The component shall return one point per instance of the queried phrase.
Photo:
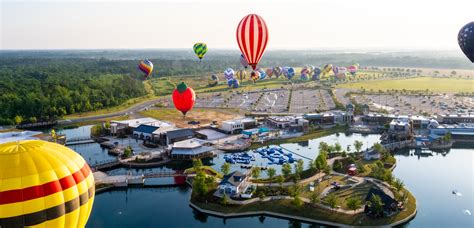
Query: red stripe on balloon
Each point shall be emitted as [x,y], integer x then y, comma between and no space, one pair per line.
[39,191]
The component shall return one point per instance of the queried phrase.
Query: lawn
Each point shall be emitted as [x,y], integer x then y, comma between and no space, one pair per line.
[360,191]
[204,116]
[454,85]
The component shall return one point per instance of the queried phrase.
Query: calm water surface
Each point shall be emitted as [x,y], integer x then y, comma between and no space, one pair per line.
[431,179]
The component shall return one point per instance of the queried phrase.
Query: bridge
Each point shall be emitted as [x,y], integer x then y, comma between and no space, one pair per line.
[79,140]
[106,165]
[179,178]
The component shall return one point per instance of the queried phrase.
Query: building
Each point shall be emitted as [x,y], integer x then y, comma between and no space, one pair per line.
[400,129]
[12,136]
[171,136]
[371,155]
[238,125]
[233,184]
[457,119]
[127,126]
[190,149]
[329,118]
[343,117]
[291,123]
[419,122]
[459,132]
[144,132]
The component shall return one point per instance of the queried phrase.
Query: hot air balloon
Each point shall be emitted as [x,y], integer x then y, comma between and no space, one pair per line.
[326,69]
[466,40]
[213,81]
[316,73]
[304,73]
[229,73]
[184,98]
[277,71]
[339,72]
[243,61]
[310,69]
[44,184]
[269,72]
[241,74]
[252,38]
[233,83]
[255,75]
[289,72]
[263,75]
[200,50]
[146,66]
[352,70]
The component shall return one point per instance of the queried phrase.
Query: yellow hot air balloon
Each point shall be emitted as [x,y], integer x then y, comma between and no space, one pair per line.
[44,184]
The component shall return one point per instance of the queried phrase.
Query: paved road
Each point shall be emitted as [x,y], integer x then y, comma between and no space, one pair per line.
[131,110]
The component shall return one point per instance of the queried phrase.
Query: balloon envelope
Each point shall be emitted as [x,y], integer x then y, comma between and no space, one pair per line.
[316,73]
[229,73]
[269,72]
[252,38]
[255,75]
[214,80]
[263,74]
[289,72]
[277,71]
[241,74]
[146,66]
[466,40]
[44,184]
[243,61]
[183,98]
[200,49]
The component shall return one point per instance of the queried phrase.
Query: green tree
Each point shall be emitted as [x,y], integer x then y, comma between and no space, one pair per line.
[18,120]
[199,184]
[376,205]
[299,167]
[280,179]
[286,170]
[358,145]
[398,184]
[255,172]
[314,197]
[353,203]
[331,200]
[323,146]
[225,168]
[127,152]
[225,200]
[337,147]
[271,172]
[197,164]
[297,201]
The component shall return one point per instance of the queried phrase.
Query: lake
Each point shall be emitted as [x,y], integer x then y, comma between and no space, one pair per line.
[430,178]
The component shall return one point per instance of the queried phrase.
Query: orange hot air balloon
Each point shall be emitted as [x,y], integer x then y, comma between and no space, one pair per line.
[252,38]
[184,98]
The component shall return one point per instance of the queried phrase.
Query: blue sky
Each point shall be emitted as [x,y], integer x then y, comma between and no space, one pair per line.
[316,24]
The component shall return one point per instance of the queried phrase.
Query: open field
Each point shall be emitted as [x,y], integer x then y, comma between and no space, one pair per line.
[453,85]
[204,116]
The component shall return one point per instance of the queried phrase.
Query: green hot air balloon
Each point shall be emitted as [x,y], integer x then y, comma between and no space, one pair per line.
[200,50]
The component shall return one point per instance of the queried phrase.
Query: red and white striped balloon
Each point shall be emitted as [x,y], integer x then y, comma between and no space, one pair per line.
[252,38]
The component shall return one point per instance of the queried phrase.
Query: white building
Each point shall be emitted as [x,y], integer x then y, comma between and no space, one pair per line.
[129,125]
[371,155]
[232,126]
[233,184]
[190,149]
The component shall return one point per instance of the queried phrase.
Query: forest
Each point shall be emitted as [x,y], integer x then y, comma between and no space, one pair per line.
[46,85]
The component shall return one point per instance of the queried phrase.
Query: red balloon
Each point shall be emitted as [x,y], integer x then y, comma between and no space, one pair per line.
[184,98]
[252,38]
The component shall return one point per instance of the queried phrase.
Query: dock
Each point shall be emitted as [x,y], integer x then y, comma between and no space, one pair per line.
[295,153]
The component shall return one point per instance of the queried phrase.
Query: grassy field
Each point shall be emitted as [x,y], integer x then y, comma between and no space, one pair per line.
[453,85]
[205,116]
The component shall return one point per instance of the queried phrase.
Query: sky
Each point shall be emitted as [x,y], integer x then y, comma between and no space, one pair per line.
[292,24]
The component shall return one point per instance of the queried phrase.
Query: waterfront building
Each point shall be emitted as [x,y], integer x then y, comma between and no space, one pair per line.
[168,137]
[457,118]
[127,126]
[191,149]
[233,184]
[291,123]
[371,155]
[459,132]
[400,129]
[144,132]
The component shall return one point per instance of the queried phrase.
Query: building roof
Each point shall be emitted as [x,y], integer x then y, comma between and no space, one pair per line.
[235,178]
[147,129]
[136,122]
[386,199]
[191,151]
[180,133]
[18,135]
[187,144]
